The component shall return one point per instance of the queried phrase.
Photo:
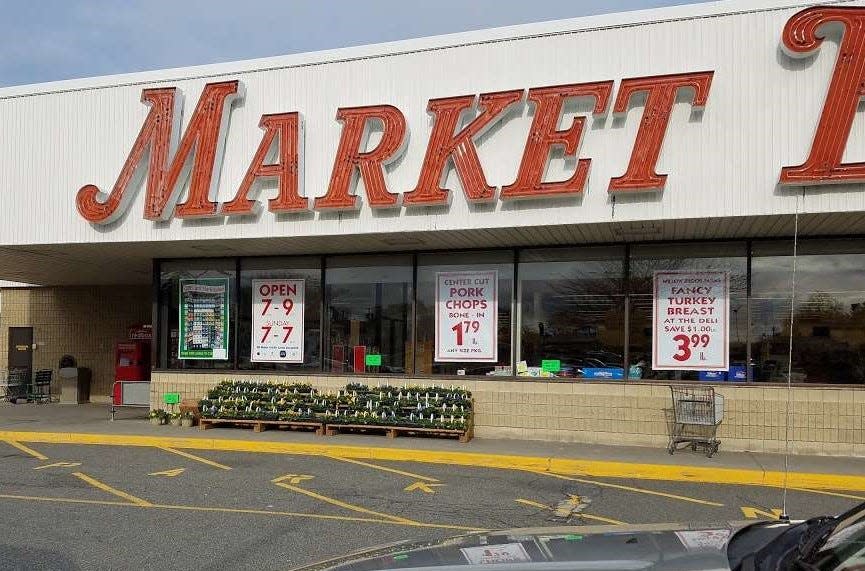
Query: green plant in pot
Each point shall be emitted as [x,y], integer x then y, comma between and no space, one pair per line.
[158,417]
[187,420]
[174,418]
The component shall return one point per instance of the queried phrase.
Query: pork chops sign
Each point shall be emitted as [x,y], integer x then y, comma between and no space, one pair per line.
[173,160]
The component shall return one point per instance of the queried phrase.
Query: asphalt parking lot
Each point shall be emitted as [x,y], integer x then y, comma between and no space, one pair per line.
[65,506]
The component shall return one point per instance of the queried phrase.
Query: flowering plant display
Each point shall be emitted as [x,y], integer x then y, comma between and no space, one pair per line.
[412,406]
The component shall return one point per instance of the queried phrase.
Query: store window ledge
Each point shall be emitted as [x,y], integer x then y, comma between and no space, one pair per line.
[474,378]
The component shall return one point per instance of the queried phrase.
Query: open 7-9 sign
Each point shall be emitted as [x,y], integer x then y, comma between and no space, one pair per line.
[466,316]
[277,321]
[691,321]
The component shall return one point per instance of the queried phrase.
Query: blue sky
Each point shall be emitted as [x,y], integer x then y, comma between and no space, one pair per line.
[48,40]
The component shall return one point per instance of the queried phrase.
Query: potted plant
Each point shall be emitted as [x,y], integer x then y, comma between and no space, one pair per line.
[174,418]
[187,420]
[157,417]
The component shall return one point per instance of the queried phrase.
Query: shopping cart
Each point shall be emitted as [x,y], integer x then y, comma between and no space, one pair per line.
[697,413]
[40,389]
[13,385]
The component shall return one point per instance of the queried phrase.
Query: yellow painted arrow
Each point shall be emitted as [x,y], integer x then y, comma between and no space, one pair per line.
[293,478]
[425,487]
[755,513]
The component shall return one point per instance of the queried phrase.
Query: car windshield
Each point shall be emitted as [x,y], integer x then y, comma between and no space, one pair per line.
[845,547]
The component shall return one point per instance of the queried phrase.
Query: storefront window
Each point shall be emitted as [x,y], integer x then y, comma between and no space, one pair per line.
[471,294]
[829,318]
[280,319]
[369,310]
[473,326]
[714,256]
[197,314]
[572,311]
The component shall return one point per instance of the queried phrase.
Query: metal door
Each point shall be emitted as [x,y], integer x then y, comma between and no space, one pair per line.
[21,353]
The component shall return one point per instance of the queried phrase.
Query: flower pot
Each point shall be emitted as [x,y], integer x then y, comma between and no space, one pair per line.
[187,421]
[175,422]
[156,421]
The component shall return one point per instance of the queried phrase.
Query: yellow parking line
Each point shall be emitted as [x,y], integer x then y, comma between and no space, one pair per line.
[237,511]
[632,489]
[825,493]
[600,519]
[577,467]
[196,458]
[319,516]
[385,469]
[64,500]
[342,504]
[26,450]
[106,488]
[531,503]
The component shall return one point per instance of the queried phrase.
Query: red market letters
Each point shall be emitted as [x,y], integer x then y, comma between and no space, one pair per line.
[370,164]
[543,137]
[801,37]
[660,95]
[173,161]
[207,129]
[157,136]
[282,130]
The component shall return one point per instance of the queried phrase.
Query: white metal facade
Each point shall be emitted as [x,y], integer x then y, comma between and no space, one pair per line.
[723,162]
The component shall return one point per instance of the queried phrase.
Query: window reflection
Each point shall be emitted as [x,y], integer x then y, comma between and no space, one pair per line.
[571,304]
[369,313]
[572,310]
[431,264]
[305,268]
[169,310]
[647,259]
[829,318]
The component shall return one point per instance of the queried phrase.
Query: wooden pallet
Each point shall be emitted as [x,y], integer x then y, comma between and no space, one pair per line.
[262,425]
[394,431]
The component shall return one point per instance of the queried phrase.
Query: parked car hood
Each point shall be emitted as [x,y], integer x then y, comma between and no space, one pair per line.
[638,547]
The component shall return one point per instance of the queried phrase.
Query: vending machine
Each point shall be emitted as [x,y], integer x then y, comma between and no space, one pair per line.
[132,361]
[132,371]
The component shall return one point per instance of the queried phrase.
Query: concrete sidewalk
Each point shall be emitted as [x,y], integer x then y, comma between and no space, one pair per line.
[91,424]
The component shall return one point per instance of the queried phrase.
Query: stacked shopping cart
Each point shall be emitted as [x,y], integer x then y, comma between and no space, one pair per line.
[697,412]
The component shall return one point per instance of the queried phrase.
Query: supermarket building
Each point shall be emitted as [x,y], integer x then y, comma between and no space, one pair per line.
[490,209]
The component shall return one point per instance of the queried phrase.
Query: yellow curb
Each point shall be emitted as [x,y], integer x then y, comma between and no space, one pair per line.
[564,466]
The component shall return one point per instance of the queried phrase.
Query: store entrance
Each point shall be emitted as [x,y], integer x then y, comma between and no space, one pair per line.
[21,353]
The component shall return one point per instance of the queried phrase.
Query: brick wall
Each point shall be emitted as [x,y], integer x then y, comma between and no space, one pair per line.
[85,322]
[824,421]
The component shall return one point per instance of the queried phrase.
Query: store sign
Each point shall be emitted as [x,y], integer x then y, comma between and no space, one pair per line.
[802,36]
[203,319]
[466,316]
[690,321]
[141,333]
[277,321]
[192,158]
[203,142]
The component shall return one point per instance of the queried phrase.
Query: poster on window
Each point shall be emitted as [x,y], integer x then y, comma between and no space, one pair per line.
[466,316]
[203,319]
[691,321]
[277,321]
